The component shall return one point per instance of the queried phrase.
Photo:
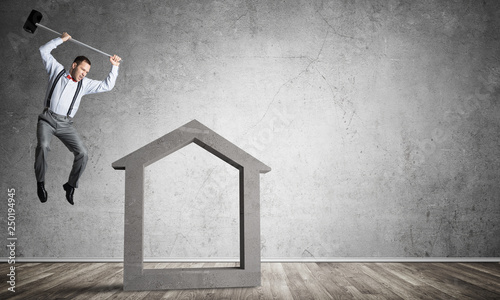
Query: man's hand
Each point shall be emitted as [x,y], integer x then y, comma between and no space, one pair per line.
[115,60]
[65,36]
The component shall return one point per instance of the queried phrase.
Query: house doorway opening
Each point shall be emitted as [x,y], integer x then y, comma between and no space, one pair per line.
[191,210]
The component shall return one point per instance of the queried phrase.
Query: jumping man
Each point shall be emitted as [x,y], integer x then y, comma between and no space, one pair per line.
[64,93]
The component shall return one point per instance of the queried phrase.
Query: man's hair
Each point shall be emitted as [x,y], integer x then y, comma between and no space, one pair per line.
[81,58]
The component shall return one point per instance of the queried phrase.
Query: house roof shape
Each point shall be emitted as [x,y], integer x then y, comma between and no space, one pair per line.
[248,274]
[191,132]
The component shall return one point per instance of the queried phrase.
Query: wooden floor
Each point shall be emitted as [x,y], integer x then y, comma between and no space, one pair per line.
[279,281]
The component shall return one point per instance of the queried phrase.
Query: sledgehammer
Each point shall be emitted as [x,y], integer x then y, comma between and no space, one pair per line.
[33,22]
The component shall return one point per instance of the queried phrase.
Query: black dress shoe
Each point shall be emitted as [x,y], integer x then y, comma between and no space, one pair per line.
[69,193]
[42,193]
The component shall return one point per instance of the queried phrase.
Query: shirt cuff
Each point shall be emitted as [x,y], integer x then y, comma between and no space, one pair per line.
[58,41]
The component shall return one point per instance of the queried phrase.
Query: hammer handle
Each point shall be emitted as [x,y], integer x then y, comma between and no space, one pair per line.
[74,41]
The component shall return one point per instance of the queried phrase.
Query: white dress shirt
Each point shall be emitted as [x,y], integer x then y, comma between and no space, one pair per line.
[65,88]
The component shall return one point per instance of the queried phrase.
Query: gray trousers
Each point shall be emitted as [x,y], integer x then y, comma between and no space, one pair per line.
[51,124]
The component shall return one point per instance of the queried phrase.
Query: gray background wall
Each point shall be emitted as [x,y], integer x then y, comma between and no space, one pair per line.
[380,120]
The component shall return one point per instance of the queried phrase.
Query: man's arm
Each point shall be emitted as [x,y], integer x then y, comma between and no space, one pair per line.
[51,64]
[95,86]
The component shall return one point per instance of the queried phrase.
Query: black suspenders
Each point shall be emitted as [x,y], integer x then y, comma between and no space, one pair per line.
[74,97]
[53,87]
[78,88]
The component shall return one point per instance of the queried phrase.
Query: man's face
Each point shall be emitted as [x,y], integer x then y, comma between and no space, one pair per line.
[78,72]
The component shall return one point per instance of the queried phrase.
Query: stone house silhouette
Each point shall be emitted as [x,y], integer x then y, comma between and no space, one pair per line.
[135,277]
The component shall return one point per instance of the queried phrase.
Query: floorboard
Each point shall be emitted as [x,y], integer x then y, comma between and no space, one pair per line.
[104,281]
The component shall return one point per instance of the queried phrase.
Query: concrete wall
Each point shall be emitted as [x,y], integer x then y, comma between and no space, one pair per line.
[380,120]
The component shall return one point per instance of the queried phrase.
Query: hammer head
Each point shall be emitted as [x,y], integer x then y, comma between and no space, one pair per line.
[34,18]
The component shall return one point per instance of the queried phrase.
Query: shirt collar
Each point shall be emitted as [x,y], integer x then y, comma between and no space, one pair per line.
[68,74]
